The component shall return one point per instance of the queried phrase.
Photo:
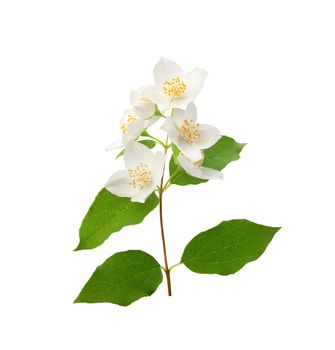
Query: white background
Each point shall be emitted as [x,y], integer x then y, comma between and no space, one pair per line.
[66,70]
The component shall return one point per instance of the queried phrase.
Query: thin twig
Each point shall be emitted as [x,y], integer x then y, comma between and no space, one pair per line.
[166,269]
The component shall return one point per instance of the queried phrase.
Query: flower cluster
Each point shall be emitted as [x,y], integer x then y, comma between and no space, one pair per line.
[173,93]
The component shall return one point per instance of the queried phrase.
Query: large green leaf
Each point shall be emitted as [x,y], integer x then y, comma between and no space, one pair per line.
[122,279]
[216,157]
[110,213]
[227,247]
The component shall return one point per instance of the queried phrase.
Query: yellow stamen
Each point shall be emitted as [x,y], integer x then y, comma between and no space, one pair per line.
[198,163]
[140,176]
[190,130]
[124,126]
[130,119]
[174,87]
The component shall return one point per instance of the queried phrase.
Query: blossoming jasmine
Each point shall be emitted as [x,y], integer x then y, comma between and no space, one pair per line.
[188,135]
[132,193]
[143,172]
[136,119]
[172,87]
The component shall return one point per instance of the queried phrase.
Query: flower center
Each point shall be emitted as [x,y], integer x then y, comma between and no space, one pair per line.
[174,87]
[190,130]
[124,125]
[140,176]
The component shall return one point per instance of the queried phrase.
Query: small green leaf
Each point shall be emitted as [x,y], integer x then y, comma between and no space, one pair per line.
[216,157]
[122,279]
[110,213]
[148,143]
[227,247]
[175,153]
[120,154]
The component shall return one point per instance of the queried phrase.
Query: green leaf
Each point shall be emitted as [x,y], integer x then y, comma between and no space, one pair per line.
[222,153]
[122,279]
[175,152]
[148,143]
[110,213]
[227,247]
[216,157]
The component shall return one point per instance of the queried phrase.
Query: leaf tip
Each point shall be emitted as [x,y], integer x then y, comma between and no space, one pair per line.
[77,300]
[79,247]
[241,146]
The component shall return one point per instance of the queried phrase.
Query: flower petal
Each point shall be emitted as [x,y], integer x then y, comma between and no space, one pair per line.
[165,70]
[125,116]
[179,115]
[196,171]
[180,102]
[151,121]
[210,174]
[144,109]
[114,145]
[194,81]
[119,184]
[156,95]
[158,167]
[191,150]
[191,112]
[134,130]
[209,135]
[142,105]
[136,153]
[135,96]
[171,129]
[188,166]
[143,193]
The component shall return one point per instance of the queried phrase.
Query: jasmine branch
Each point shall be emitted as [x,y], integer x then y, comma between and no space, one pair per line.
[166,264]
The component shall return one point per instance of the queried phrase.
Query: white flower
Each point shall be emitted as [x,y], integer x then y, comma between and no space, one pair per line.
[135,119]
[197,170]
[131,127]
[142,175]
[173,88]
[143,107]
[189,136]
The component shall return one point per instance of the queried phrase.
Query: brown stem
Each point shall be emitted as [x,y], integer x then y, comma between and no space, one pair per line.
[166,269]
